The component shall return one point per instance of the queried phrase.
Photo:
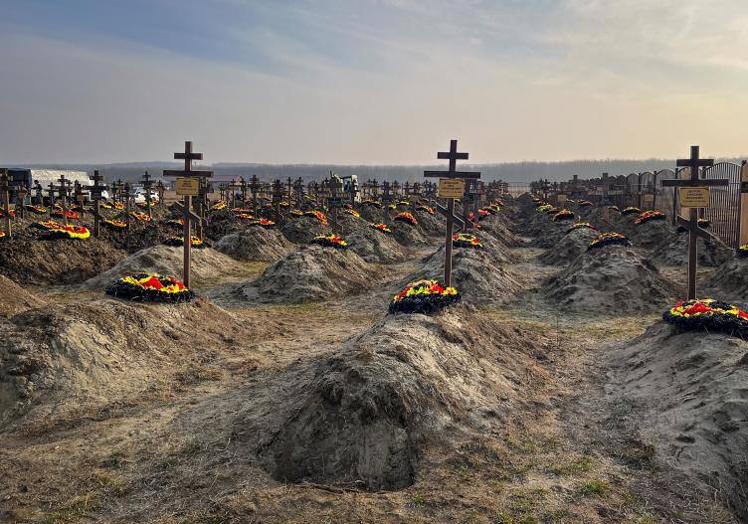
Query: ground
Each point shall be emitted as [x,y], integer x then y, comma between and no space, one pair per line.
[176,452]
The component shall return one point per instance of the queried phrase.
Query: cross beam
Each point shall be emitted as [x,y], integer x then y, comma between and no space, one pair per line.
[453,156]
[694,231]
[188,156]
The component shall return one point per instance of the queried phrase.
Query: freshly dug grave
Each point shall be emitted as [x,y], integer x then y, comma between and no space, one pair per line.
[311,274]
[302,230]
[372,214]
[140,236]
[675,252]
[255,244]
[14,299]
[548,234]
[610,280]
[363,415]
[480,275]
[222,223]
[28,260]
[730,280]
[207,265]
[65,361]
[432,225]
[498,227]
[348,224]
[569,247]
[652,234]
[376,247]
[408,235]
[685,394]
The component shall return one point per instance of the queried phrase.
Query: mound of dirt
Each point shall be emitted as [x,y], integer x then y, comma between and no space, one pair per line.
[730,280]
[302,230]
[362,415]
[675,252]
[255,244]
[612,279]
[29,260]
[569,247]
[652,234]
[372,214]
[498,227]
[547,235]
[685,393]
[376,247]
[206,265]
[66,360]
[310,274]
[432,225]
[221,223]
[408,235]
[14,299]
[481,275]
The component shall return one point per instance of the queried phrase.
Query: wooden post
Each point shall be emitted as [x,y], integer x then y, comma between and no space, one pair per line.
[743,216]
[452,155]
[147,184]
[5,189]
[694,231]
[188,173]
[96,190]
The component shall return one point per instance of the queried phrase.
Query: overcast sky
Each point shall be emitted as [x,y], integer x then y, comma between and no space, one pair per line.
[371,81]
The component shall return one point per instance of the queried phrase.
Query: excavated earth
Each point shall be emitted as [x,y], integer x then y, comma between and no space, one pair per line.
[255,244]
[610,280]
[311,274]
[569,247]
[362,415]
[686,393]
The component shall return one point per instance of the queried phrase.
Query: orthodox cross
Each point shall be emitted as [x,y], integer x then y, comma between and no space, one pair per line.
[254,187]
[187,175]
[277,196]
[386,199]
[96,189]
[161,188]
[453,156]
[694,231]
[5,189]
[63,192]
[147,184]
[334,199]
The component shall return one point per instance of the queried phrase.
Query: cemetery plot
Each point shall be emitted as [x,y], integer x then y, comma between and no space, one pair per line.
[364,415]
[685,392]
[255,244]
[611,280]
[312,274]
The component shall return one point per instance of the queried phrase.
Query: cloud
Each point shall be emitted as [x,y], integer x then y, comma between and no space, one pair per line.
[383,81]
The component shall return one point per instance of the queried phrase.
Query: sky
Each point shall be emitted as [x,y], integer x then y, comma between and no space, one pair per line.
[371,81]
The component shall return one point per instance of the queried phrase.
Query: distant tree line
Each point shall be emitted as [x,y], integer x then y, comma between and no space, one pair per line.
[518,173]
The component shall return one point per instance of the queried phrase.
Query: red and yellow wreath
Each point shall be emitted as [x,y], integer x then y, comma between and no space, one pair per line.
[406,216]
[423,296]
[335,241]
[381,227]
[150,288]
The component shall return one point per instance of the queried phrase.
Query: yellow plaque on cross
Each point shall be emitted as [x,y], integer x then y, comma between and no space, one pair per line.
[188,186]
[693,197]
[451,188]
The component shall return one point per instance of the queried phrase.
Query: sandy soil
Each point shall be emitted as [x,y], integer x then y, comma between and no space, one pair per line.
[333,411]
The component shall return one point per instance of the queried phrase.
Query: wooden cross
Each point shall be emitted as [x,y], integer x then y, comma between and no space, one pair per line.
[188,156]
[277,196]
[21,192]
[5,189]
[386,199]
[334,199]
[453,156]
[63,192]
[694,162]
[254,187]
[96,189]
[161,188]
[147,184]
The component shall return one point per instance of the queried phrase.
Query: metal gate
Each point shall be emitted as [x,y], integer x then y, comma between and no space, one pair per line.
[724,213]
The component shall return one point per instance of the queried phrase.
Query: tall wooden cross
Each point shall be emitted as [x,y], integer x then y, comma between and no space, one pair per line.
[254,187]
[276,198]
[96,189]
[63,192]
[386,199]
[147,184]
[453,156]
[5,190]
[188,175]
[694,231]
[161,188]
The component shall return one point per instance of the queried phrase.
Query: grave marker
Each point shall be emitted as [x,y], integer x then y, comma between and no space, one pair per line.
[453,156]
[5,190]
[147,184]
[187,174]
[96,189]
[699,187]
